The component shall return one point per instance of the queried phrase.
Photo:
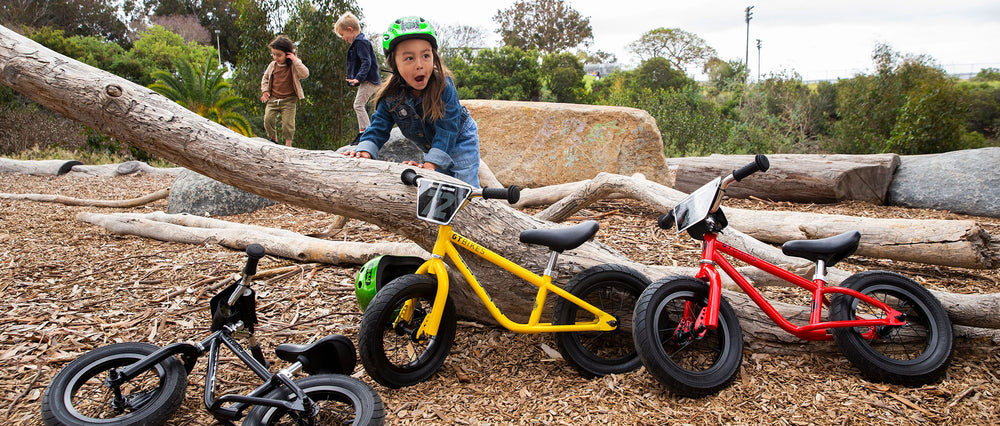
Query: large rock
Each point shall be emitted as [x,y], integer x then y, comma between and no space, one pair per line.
[965,181]
[197,194]
[397,149]
[534,144]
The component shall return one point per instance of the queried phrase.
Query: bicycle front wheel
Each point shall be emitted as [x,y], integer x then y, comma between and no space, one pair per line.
[613,289]
[78,394]
[688,361]
[913,354]
[338,399]
[387,340]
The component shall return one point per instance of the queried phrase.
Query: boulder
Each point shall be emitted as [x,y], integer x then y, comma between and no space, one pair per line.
[397,149]
[197,194]
[964,181]
[534,144]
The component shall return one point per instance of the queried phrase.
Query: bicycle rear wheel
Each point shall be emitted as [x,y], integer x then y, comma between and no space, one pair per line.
[613,289]
[79,396]
[387,344]
[913,354]
[340,400]
[689,362]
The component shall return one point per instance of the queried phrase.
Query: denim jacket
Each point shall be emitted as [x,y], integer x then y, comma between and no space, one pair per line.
[451,143]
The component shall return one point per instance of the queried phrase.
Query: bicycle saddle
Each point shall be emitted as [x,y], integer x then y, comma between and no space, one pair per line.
[561,238]
[830,250]
[330,355]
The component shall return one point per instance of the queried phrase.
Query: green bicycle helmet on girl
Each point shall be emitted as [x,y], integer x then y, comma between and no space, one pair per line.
[378,272]
[406,28]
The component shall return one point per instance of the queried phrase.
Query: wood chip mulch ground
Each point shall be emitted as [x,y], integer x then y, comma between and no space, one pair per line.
[67,287]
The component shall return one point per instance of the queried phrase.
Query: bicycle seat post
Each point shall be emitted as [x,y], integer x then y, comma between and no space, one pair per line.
[550,268]
[820,272]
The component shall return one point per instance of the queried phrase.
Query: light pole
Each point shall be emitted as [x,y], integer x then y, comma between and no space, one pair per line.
[758,60]
[749,15]
[218,47]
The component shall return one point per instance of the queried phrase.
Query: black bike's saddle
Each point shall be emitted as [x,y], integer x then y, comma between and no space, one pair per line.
[330,355]
[561,238]
[830,250]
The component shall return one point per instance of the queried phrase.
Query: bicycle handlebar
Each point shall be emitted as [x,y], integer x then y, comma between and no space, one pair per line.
[759,164]
[410,177]
[254,253]
[512,194]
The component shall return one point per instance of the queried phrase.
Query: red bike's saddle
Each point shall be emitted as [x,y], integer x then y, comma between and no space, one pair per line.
[830,250]
[561,238]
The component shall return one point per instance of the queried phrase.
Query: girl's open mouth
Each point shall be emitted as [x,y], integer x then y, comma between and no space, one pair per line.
[420,78]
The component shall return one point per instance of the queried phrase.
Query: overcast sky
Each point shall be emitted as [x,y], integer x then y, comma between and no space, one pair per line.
[817,39]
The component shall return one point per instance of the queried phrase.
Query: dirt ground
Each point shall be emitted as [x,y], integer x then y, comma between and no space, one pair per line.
[68,287]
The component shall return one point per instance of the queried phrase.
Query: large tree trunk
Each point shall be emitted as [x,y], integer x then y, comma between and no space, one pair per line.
[796,177]
[323,180]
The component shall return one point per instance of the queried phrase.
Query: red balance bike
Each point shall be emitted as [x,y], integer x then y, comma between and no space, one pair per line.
[688,337]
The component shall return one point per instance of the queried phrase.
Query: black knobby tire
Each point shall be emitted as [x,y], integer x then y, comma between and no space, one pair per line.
[78,396]
[613,289]
[388,349]
[341,400]
[912,355]
[685,363]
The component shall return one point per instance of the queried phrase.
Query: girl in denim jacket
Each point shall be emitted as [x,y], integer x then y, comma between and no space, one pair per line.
[420,97]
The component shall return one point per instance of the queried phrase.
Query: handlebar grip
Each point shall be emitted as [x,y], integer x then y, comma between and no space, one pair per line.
[666,221]
[511,194]
[759,164]
[410,177]
[254,253]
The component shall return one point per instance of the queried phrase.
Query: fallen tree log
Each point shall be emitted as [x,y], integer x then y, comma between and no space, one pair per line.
[190,229]
[362,189]
[959,243]
[37,167]
[122,169]
[70,201]
[796,177]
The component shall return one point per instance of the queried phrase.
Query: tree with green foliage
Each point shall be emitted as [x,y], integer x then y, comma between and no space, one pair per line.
[203,90]
[93,51]
[213,15]
[908,105]
[987,74]
[983,103]
[507,73]
[547,26]
[157,48]
[563,74]
[327,115]
[99,18]
[681,48]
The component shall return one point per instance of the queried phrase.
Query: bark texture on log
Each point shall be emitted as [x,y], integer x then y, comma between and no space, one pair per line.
[796,177]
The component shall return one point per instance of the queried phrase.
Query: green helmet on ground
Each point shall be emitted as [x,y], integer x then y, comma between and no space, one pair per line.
[378,272]
[406,28]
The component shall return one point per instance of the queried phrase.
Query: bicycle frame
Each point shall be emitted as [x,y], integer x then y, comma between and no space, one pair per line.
[445,246]
[712,256]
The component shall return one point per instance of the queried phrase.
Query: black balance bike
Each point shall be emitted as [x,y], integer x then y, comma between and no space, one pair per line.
[139,383]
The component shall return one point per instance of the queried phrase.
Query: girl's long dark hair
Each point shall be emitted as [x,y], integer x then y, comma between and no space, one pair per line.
[433,104]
